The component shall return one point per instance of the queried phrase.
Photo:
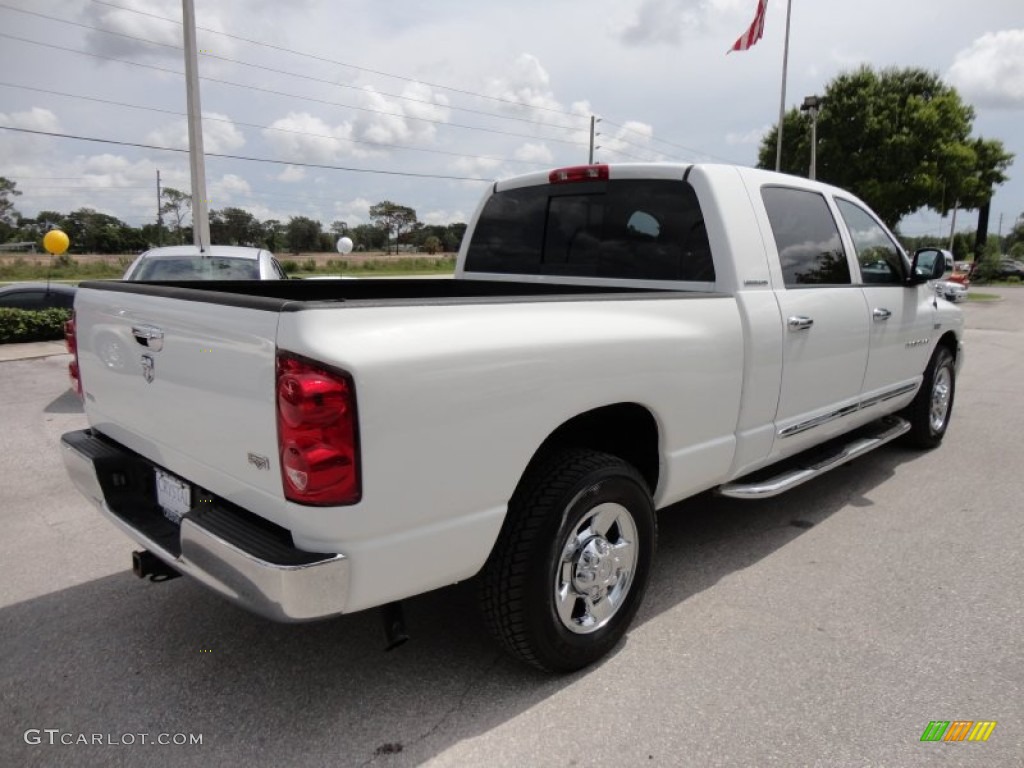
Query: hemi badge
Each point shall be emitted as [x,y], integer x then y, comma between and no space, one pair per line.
[260,462]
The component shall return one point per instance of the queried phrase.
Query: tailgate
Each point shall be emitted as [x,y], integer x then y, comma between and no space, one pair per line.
[187,384]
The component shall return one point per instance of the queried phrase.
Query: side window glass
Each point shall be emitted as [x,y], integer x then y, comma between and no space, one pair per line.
[880,259]
[654,230]
[28,300]
[806,236]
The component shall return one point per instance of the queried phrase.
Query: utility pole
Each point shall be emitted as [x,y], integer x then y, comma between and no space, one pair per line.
[197,163]
[159,213]
[952,224]
[593,133]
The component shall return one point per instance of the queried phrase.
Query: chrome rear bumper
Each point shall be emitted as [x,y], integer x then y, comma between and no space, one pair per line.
[312,586]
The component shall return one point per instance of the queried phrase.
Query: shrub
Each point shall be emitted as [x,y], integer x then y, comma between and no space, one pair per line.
[309,265]
[290,265]
[17,325]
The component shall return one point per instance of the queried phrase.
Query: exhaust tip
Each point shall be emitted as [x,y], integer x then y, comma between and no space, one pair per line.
[395,633]
[147,565]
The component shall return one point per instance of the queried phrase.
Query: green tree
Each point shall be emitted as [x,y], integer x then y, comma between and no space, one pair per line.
[177,204]
[302,234]
[93,232]
[272,235]
[432,244]
[392,218]
[368,237]
[235,226]
[898,138]
[8,215]
[453,236]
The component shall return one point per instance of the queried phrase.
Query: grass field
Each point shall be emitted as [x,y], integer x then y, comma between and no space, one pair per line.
[92,266]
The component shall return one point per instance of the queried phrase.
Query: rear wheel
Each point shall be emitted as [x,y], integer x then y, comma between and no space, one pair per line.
[930,411]
[571,565]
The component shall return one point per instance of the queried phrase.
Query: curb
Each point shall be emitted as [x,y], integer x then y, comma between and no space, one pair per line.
[31,350]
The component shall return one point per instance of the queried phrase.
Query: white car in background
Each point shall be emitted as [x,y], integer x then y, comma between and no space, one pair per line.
[950,290]
[219,262]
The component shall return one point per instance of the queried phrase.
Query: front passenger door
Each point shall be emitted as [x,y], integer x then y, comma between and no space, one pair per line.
[901,316]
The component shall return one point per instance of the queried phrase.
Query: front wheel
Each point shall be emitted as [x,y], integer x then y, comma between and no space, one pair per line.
[930,411]
[571,564]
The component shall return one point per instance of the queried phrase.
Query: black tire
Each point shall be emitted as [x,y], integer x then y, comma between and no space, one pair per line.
[552,544]
[929,413]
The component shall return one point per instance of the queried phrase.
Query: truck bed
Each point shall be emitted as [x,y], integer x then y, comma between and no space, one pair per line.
[293,295]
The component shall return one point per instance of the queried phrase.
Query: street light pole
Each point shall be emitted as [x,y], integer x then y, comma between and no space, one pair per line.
[812,105]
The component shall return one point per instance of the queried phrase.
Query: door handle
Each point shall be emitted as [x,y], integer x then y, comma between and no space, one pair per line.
[880,314]
[800,323]
[148,336]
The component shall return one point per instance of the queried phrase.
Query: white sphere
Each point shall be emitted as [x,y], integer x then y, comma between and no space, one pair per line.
[344,245]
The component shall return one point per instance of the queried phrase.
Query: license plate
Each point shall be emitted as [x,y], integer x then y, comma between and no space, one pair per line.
[173,495]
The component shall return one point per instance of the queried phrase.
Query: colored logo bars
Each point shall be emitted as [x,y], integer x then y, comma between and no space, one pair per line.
[958,730]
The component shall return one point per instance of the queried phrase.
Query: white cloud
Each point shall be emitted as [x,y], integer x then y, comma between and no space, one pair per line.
[291,173]
[304,137]
[443,217]
[990,73]
[753,136]
[669,21]
[226,189]
[219,134]
[148,30]
[413,119]
[531,152]
[482,167]
[528,86]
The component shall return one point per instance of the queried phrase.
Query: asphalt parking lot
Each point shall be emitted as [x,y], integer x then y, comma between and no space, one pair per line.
[826,627]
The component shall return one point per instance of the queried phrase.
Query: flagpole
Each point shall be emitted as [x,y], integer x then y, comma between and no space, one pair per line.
[782,101]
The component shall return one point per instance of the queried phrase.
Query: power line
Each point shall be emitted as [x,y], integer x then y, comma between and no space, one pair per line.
[289,95]
[244,157]
[269,127]
[356,67]
[291,74]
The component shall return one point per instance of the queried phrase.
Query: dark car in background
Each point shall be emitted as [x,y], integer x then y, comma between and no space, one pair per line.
[37,296]
[1011,268]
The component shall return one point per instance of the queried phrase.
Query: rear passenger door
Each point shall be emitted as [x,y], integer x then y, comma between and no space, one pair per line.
[902,316]
[825,339]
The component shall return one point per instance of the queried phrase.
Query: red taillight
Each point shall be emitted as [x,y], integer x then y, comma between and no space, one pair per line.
[71,341]
[317,433]
[579,173]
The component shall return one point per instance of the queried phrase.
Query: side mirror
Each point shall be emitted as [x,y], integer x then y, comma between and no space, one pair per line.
[928,264]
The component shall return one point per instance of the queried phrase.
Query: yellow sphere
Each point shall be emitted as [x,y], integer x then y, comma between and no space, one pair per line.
[56,242]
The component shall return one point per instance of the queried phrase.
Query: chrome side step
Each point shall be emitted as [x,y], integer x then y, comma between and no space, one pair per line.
[890,428]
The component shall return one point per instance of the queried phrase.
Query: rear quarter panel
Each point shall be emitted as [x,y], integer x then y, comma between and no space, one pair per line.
[453,401]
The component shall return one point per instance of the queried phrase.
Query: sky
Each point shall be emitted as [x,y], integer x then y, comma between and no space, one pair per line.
[340,104]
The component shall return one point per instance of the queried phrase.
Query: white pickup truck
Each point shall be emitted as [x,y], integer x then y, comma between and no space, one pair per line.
[616,339]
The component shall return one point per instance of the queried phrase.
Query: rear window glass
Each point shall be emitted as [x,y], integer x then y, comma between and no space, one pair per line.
[627,229]
[197,268]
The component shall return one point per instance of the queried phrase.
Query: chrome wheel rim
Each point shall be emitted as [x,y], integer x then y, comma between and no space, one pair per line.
[942,389]
[596,568]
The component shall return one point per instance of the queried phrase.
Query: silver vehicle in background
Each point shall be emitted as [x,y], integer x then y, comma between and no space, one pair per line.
[219,262]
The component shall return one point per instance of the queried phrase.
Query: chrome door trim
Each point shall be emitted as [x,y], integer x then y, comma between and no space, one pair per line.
[846,410]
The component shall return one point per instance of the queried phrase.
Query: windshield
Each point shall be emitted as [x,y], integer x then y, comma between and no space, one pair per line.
[197,268]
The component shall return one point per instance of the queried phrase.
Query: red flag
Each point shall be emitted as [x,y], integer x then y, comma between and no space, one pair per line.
[752,35]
